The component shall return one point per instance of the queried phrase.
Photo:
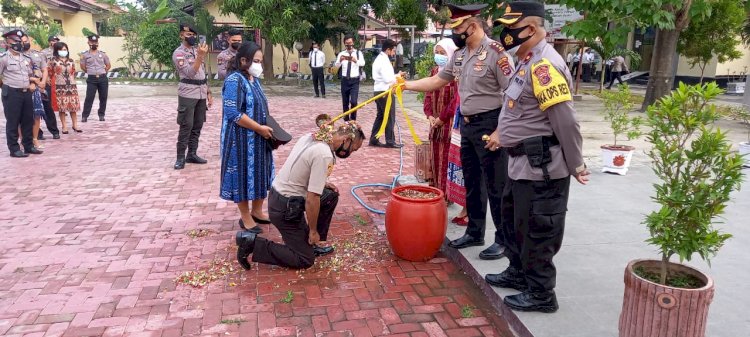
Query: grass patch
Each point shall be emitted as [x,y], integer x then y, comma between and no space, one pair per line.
[237,321]
[360,219]
[288,298]
[467,311]
[634,98]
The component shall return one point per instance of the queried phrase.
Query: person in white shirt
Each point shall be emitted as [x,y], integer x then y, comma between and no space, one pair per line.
[399,56]
[384,77]
[588,58]
[350,61]
[317,62]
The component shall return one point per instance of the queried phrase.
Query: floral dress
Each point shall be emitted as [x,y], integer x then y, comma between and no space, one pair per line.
[62,72]
[246,160]
[441,104]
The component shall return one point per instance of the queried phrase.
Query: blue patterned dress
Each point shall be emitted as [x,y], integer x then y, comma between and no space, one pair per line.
[246,159]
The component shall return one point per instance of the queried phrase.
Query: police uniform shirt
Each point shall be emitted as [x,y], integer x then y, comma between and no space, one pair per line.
[96,63]
[306,169]
[184,58]
[482,76]
[48,53]
[222,61]
[16,70]
[538,102]
[38,62]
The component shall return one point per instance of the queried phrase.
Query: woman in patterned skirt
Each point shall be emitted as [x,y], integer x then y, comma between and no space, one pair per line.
[246,159]
[456,188]
[62,73]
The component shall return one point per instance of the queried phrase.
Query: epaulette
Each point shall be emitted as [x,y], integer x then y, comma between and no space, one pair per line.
[496,46]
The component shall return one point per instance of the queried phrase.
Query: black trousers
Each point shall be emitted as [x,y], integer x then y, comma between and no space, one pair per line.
[296,252]
[93,85]
[318,78]
[534,222]
[616,75]
[574,70]
[49,115]
[586,72]
[485,173]
[349,95]
[19,111]
[390,136]
[191,114]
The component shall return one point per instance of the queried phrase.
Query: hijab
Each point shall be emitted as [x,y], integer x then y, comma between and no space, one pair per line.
[449,46]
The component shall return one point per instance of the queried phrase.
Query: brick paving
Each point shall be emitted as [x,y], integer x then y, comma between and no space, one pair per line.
[98,229]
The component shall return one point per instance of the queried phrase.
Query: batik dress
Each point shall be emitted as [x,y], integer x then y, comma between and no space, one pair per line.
[441,104]
[456,188]
[246,160]
[62,73]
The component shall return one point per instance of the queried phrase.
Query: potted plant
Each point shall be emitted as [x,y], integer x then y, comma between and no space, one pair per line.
[742,115]
[416,222]
[616,158]
[697,172]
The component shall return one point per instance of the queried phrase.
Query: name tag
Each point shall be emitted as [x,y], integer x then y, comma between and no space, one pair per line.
[515,88]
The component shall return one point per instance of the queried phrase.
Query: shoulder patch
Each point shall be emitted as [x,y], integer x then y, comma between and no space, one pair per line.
[497,47]
[504,65]
[550,87]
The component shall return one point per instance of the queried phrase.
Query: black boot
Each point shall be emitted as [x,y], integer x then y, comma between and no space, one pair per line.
[245,241]
[538,301]
[510,278]
[180,163]
[193,158]
[493,252]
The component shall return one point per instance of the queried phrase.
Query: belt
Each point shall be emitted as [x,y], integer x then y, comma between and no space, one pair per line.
[469,119]
[7,87]
[97,76]
[520,150]
[193,82]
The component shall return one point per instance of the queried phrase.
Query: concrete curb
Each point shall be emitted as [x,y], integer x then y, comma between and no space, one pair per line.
[519,329]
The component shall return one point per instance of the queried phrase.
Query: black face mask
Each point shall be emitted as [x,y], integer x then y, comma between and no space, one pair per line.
[18,47]
[509,37]
[236,45]
[94,46]
[344,153]
[26,46]
[460,38]
[191,40]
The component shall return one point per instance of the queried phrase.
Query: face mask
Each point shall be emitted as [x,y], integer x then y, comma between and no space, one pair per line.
[236,45]
[344,153]
[26,46]
[94,46]
[18,47]
[63,53]
[315,49]
[191,40]
[441,60]
[509,37]
[460,38]
[256,69]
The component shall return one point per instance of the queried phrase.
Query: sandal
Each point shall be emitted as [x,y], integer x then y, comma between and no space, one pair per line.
[462,222]
[77,130]
[65,132]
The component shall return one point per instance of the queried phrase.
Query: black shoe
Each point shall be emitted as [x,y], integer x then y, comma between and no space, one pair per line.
[84,119]
[261,221]
[40,137]
[394,146]
[466,241]
[33,150]
[56,136]
[542,302]
[324,96]
[193,158]
[510,278]
[18,154]
[101,118]
[245,241]
[376,143]
[317,96]
[493,252]
[320,251]
[179,164]
[65,132]
[256,229]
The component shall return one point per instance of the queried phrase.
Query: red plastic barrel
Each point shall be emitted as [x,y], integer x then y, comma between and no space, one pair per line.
[416,227]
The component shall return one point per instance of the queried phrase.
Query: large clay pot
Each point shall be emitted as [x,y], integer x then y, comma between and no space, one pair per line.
[416,227]
[616,159]
[653,310]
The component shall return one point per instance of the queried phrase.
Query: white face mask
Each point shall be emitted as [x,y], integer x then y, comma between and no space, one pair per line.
[315,49]
[63,53]
[256,69]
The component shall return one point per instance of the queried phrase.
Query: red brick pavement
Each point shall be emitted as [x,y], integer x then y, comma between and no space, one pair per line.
[97,230]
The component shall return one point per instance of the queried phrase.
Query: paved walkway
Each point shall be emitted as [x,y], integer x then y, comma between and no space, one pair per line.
[101,236]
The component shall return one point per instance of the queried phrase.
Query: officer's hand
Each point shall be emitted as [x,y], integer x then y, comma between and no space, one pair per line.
[265,131]
[209,100]
[494,143]
[314,237]
[32,87]
[202,50]
[583,177]
[333,187]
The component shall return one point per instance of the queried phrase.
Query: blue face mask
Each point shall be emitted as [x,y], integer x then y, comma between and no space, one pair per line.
[441,60]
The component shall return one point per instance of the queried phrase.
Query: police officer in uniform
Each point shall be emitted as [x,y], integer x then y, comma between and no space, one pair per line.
[539,129]
[301,195]
[39,64]
[222,61]
[18,82]
[95,63]
[49,115]
[193,95]
[482,68]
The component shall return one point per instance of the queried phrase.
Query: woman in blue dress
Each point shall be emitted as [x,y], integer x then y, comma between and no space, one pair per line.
[246,160]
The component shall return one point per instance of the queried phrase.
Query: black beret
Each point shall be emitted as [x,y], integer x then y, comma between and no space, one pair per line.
[234,32]
[184,27]
[93,37]
[16,32]
[53,38]
[280,136]
[517,10]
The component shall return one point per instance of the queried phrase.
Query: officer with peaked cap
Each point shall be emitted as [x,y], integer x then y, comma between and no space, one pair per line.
[539,129]
[193,95]
[95,63]
[18,83]
[482,68]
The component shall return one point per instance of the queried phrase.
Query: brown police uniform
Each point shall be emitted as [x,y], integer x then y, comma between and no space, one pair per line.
[482,76]
[96,63]
[16,70]
[39,65]
[222,61]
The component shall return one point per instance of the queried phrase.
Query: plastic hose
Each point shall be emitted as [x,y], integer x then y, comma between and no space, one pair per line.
[390,187]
